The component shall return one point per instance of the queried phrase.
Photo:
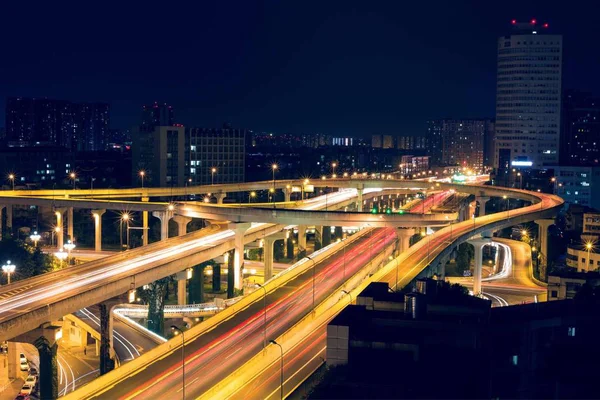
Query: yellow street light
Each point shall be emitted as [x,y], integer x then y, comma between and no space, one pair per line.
[11,178]
[142,175]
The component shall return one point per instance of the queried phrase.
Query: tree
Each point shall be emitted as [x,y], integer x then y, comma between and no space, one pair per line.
[156,294]
[462,258]
[290,249]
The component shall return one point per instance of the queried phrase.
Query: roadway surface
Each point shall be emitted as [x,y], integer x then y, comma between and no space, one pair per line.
[215,354]
[514,284]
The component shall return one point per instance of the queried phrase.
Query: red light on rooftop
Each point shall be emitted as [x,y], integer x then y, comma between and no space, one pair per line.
[546,25]
[533,22]
[514,22]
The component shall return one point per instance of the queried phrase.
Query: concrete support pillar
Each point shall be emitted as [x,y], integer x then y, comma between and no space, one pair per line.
[97,343]
[482,200]
[238,256]
[1,222]
[287,194]
[13,360]
[220,263]
[145,224]
[98,229]
[9,219]
[70,224]
[59,212]
[164,217]
[543,225]
[268,250]
[182,278]
[404,235]
[47,349]
[478,245]
[220,197]
[302,237]
[107,364]
[359,199]
[182,223]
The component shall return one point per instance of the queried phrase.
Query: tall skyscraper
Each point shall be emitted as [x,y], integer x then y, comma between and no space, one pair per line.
[580,138]
[156,115]
[49,122]
[434,138]
[528,97]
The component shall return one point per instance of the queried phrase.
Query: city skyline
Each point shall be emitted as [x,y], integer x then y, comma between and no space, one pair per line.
[352,69]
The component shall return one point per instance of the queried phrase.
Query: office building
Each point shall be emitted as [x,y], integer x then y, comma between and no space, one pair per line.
[578,185]
[580,138]
[410,164]
[154,115]
[342,141]
[528,97]
[222,149]
[49,122]
[161,154]
[459,142]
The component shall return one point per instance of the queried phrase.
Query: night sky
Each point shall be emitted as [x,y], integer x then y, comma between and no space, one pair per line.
[338,67]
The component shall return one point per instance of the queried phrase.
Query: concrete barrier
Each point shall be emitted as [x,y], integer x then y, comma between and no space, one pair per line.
[111,379]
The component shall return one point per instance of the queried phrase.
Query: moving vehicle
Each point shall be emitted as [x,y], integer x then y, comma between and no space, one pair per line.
[33,372]
[22,397]
[22,357]
[26,389]
[31,380]
[24,365]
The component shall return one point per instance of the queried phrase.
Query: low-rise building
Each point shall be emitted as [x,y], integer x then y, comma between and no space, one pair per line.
[578,185]
[565,285]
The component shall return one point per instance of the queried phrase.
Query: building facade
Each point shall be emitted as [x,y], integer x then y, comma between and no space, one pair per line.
[161,154]
[219,150]
[528,97]
[459,142]
[154,115]
[578,185]
[49,122]
[580,138]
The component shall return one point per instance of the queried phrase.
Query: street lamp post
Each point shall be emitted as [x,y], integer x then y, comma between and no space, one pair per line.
[61,255]
[264,314]
[35,238]
[274,168]
[142,175]
[281,377]
[333,165]
[589,247]
[8,269]
[176,329]
[11,178]
[125,218]
[213,170]
[69,246]
[251,196]
[73,177]
[505,197]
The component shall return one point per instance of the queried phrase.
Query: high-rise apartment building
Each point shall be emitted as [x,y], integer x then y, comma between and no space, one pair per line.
[528,97]
[459,142]
[411,142]
[215,155]
[580,138]
[48,122]
[156,115]
[161,154]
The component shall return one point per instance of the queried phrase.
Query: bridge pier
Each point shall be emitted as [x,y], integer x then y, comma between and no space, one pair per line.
[478,245]
[482,200]
[145,223]
[359,199]
[107,362]
[220,197]
[182,223]
[97,229]
[59,212]
[301,237]
[543,225]
[9,219]
[268,249]
[287,194]
[238,255]
[70,224]
[182,278]
[164,217]
[196,285]
[404,234]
